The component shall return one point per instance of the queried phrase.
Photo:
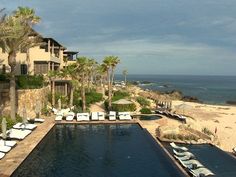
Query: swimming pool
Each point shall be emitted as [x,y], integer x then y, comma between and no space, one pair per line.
[85,150]
[218,161]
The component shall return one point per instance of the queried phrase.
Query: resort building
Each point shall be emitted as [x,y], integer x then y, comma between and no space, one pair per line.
[38,60]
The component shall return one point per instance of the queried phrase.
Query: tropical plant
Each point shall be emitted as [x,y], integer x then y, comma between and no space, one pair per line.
[109,65]
[16,34]
[125,73]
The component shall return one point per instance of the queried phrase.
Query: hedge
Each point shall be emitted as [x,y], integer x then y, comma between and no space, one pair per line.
[143,101]
[29,82]
[146,111]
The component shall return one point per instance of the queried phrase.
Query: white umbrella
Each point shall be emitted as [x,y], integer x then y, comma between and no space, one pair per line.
[37,108]
[59,104]
[24,116]
[4,129]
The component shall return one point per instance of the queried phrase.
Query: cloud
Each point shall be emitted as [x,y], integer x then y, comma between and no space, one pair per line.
[163,35]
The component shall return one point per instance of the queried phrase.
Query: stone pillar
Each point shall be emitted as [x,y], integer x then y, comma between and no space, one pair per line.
[49,69]
[49,46]
[52,66]
[53,49]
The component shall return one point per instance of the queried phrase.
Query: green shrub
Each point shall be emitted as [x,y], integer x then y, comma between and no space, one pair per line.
[143,101]
[146,111]
[207,131]
[93,97]
[29,82]
[10,122]
[120,95]
[4,77]
[123,108]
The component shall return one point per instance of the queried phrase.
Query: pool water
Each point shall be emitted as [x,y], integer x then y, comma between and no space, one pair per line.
[149,117]
[114,150]
[218,161]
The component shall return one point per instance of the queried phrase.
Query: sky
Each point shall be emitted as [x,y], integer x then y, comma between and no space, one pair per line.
[184,37]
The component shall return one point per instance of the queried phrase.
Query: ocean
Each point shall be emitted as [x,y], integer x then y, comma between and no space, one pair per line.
[208,89]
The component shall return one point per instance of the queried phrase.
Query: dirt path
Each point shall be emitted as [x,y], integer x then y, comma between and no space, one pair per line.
[97,107]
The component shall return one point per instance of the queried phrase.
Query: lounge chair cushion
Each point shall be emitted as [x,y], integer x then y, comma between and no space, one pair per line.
[2,155]
[5,148]
[25,126]
[7,143]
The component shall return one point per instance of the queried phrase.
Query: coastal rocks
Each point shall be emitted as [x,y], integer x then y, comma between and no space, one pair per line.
[191,99]
[231,102]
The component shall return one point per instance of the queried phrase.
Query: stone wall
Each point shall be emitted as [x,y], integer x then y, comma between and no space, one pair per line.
[29,98]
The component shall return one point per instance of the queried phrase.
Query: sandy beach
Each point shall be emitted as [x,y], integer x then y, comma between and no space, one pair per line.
[219,119]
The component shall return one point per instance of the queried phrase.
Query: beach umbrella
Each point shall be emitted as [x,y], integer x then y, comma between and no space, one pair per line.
[37,108]
[4,129]
[59,104]
[183,107]
[122,101]
[24,116]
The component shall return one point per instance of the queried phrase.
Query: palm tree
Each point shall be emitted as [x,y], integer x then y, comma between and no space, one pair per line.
[52,75]
[79,72]
[15,35]
[125,73]
[109,64]
[30,19]
[91,65]
[83,63]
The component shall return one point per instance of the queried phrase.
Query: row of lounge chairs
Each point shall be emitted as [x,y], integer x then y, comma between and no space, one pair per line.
[172,115]
[188,161]
[19,132]
[94,116]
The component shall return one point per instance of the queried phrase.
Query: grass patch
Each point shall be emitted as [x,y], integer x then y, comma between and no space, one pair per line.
[207,131]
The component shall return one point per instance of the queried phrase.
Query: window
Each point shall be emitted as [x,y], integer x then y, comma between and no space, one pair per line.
[23,69]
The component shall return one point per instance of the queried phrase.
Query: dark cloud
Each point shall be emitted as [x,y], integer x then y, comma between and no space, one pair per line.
[172,35]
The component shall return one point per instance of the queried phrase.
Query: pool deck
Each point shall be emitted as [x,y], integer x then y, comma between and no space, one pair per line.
[23,148]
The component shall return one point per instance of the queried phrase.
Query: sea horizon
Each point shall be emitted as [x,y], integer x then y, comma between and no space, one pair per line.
[208,89]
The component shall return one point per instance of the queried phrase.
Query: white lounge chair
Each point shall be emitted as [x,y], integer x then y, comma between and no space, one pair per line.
[183,158]
[55,111]
[101,116]
[59,116]
[25,126]
[178,147]
[7,143]
[70,116]
[124,116]
[82,116]
[234,150]
[181,154]
[199,172]
[39,120]
[94,116]
[191,164]
[112,115]
[5,149]
[2,155]
[17,133]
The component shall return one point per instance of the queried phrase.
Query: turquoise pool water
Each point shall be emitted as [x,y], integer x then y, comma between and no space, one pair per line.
[116,150]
